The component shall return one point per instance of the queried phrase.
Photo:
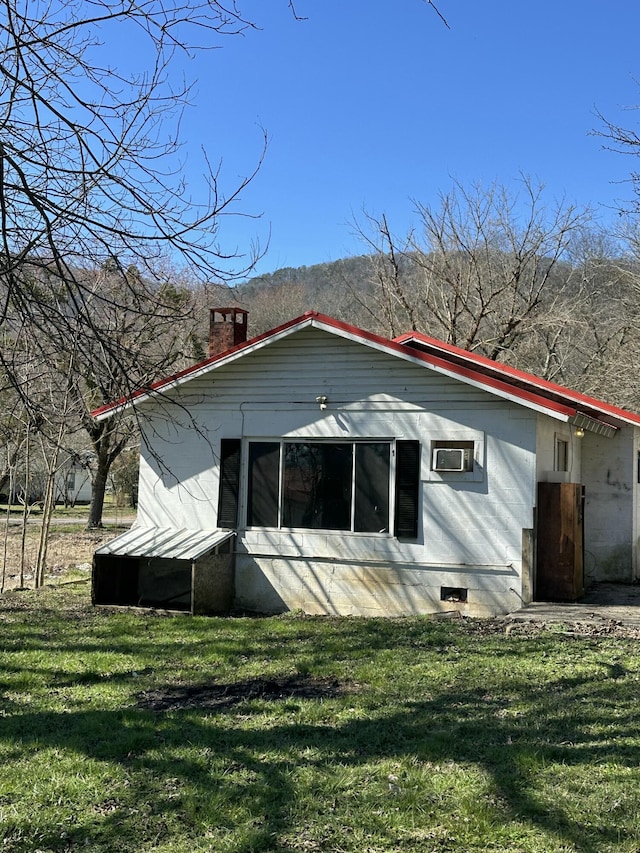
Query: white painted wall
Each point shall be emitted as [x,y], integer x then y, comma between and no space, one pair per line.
[609,473]
[471,528]
[82,489]
[548,431]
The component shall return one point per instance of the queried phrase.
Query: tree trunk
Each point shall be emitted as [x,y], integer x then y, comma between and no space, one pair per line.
[47,513]
[108,445]
[7,522]
[5,542]
[97,495]
[25,508]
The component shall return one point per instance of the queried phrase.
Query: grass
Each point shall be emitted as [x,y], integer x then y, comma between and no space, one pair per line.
[125,731]
[79,511]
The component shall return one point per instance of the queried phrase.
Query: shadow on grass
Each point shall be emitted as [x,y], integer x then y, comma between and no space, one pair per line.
[208,769]
[245,764]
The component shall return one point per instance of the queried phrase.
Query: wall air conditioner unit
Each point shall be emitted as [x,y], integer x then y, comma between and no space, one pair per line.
[452,459]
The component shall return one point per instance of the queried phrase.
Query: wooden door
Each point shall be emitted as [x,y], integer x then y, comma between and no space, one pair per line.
[560,542]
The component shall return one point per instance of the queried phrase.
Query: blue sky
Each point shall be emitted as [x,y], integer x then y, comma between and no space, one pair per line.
[369,104]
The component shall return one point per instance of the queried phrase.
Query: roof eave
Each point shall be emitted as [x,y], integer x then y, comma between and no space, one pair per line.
[590,407]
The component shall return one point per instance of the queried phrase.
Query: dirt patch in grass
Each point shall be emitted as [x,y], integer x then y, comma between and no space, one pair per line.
[67,550]
[574,628]
[222,696]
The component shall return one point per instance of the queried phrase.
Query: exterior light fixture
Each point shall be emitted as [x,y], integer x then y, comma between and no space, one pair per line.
[323,402]
[579,433]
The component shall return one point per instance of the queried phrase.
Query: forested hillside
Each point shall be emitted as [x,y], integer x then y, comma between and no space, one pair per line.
[334,288]
[544,289]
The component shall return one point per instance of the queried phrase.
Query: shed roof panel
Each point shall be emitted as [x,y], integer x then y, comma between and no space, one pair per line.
[165,542]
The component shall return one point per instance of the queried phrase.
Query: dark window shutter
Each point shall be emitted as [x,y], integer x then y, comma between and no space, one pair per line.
[229,482]
[407,489]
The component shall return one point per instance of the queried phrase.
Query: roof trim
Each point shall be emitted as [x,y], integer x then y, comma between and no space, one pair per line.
[479,371]
[175,379]
[515,376]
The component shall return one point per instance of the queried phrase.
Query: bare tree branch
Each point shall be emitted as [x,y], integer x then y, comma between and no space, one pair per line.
[438,13]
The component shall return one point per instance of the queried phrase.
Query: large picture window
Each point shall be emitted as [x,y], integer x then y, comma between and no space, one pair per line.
[320,485]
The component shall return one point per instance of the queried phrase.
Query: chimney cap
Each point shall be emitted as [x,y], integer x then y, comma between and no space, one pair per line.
[235,310]
[227,329]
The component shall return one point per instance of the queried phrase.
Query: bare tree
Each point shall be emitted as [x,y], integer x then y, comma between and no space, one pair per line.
[91,179]
[147,341]
[12,445]
[89,159]
[626,141]
[272,306]
[480,269]
[387,303]
[121,333]
[506,276]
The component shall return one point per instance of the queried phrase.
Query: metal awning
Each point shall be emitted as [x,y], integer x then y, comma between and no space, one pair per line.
[169,543]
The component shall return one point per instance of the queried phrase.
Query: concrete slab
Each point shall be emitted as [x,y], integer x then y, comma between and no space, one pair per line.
[603,605]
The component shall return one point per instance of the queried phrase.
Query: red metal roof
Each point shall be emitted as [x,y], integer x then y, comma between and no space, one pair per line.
[445,358]
[518,378]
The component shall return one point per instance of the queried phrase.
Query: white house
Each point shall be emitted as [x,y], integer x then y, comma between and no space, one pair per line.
[73,484]
[344,473]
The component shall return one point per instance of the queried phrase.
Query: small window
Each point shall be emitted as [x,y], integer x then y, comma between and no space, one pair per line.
[562,455]
[450,457]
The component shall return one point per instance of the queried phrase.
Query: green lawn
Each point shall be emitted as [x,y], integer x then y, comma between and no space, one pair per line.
[134,732]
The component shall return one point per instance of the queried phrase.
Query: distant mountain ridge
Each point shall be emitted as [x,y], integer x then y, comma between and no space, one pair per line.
[316,278]
[339,288]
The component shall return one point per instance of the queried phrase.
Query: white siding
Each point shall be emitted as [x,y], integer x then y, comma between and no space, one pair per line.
[297,369]
[470,532]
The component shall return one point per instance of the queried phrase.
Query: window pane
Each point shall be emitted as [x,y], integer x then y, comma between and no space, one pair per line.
[562,455]
[372,488]
[317,485]
[264,475]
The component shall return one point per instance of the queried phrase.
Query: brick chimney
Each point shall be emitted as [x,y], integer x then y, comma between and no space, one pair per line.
[227,329]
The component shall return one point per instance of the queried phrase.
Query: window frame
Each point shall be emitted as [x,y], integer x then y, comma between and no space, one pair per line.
[388,530]
[562,454]
[473,440]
